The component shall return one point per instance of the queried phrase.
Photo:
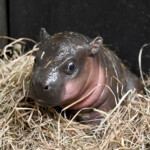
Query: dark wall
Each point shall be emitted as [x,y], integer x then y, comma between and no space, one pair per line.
[3,22]
[123,24]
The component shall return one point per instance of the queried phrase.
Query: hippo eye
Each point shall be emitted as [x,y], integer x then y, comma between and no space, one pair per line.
[70,67]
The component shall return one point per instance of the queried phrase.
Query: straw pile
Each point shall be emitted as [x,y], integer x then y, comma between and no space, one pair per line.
[25,125]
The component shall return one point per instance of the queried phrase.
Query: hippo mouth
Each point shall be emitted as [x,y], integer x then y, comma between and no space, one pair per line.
[87,88]
[42,102]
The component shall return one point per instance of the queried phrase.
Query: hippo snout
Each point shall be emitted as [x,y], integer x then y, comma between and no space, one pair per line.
[46,92]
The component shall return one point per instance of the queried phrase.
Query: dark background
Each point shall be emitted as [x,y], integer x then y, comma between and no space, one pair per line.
[123,24]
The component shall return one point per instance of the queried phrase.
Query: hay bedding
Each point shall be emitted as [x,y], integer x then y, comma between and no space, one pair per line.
[25,125]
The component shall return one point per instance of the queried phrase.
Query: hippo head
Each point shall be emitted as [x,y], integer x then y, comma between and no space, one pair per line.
[65,69]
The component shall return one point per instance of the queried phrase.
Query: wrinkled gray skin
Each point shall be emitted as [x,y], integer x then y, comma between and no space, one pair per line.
[51,72]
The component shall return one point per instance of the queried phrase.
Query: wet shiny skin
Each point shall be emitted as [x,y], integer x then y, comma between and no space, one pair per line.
[54,82]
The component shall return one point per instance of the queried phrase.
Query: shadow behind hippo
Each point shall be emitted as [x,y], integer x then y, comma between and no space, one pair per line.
[69,65]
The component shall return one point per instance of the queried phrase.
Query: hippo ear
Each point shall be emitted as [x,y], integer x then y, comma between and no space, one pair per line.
[95,45]
[43,35]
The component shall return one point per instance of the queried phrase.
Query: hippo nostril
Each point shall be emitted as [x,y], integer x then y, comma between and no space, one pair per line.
[46,87]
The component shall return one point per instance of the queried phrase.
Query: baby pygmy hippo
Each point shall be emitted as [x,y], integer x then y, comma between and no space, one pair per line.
[70,66]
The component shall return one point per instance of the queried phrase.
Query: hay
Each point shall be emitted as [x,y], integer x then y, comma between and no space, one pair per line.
[25,125]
